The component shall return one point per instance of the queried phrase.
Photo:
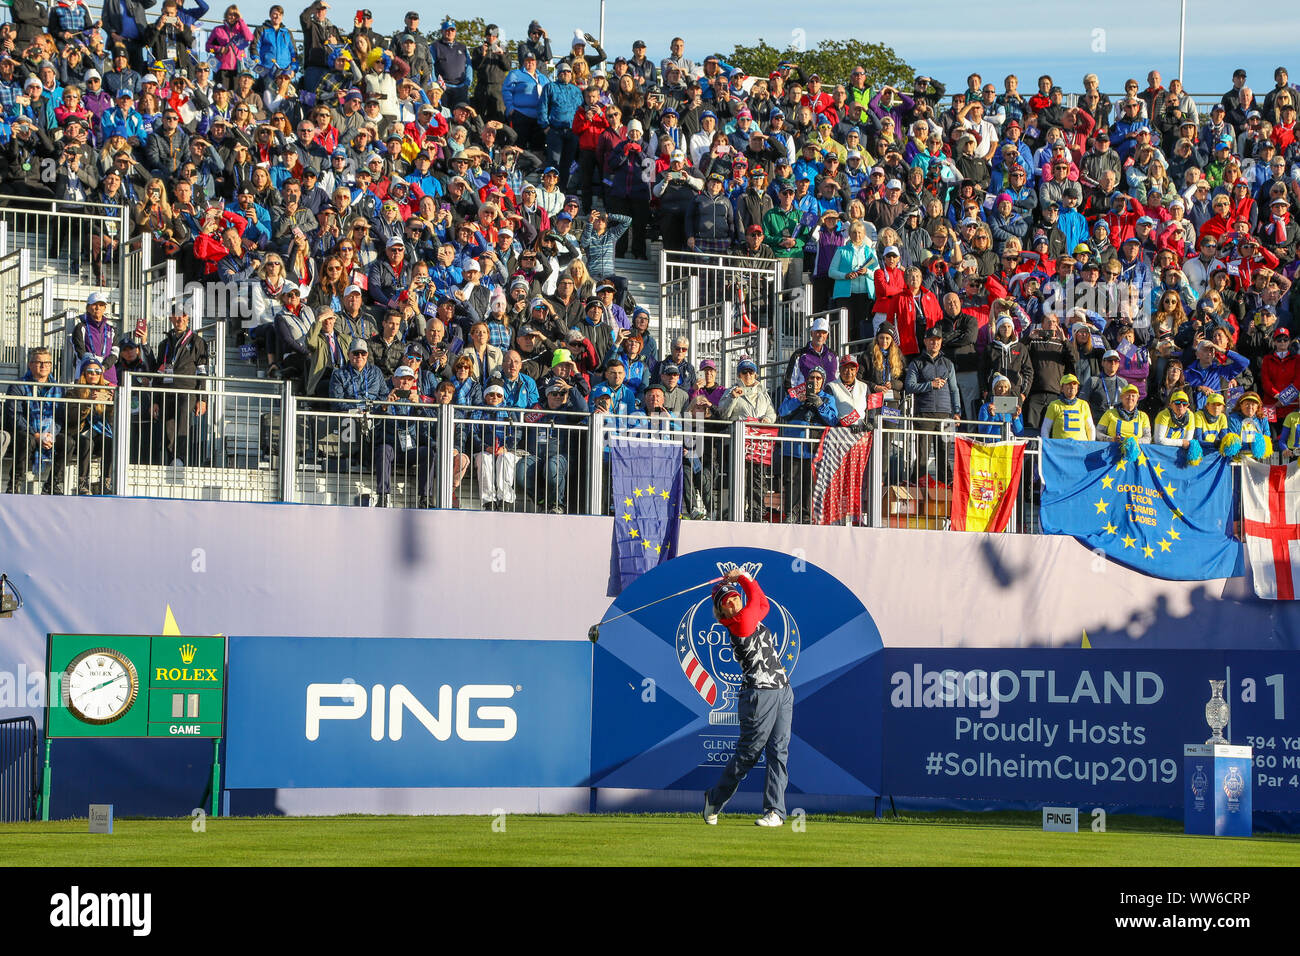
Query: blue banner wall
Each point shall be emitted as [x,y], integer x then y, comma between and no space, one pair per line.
[1069,727]
[288,570]
[655,727]
[377,712]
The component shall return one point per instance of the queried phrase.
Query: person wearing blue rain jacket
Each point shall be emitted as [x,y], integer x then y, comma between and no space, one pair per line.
[1214,371]
[996,420]
[803,416]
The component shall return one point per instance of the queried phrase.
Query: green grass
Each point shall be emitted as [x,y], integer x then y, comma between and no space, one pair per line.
[990,839]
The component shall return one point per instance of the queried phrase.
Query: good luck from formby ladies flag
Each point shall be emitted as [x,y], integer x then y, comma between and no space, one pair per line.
[1155,514]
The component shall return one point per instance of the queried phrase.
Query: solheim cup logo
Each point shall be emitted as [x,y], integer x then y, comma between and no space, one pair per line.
[1200,784]
[1233,785]
[704,650]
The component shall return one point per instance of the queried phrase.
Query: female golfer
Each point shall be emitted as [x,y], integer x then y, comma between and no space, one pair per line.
[766,702]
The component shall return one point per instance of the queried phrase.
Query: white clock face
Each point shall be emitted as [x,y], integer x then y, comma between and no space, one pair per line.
[100,686]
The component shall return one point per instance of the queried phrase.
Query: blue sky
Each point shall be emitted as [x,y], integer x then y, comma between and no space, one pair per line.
[941,37]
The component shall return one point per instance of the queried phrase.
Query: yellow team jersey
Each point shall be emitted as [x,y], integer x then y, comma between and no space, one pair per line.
[1210,430]
[1070,419]
[1247,429]
[1188,431]
[1112,426]
[1289,437]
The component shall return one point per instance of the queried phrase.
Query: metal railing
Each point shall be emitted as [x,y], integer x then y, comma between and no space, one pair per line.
[20,770]
[706,460]
[913,472]
[750,289]
[55,443]
[777,472]
[74,243]
[367,453]
[201,438]
[677,300]
[15,272]
[148,438]
[531,461]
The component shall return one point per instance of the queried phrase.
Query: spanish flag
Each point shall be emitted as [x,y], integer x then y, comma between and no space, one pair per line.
[985,481]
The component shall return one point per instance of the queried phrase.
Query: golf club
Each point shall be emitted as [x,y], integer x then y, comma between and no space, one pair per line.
[594,631]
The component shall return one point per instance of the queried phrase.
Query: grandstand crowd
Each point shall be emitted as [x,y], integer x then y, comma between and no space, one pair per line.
[417,221]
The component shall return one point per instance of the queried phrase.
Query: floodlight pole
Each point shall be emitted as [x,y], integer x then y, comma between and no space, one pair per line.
[1182,32]
[602,23]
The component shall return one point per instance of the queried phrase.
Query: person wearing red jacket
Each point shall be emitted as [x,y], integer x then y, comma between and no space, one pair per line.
[1122,218]
[764,702]
[209,246]
[912,312]
[1220,223]
[1249,257]
[498,191]
[1278,371]
[817,99]
[978,299]
[888,282]
[588,123]
[431,125]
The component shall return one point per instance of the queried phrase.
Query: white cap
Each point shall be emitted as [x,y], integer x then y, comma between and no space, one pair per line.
[404,371]
[821,325]
[893,184]
[96,298]
[677,157]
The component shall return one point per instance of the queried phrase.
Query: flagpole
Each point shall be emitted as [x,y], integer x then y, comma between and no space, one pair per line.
[1182,31]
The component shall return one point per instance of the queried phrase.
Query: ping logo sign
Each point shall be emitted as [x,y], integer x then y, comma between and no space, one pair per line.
[390,705]
[1061,819]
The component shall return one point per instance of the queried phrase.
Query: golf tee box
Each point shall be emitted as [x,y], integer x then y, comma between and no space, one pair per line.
[101,818]
[1216,790]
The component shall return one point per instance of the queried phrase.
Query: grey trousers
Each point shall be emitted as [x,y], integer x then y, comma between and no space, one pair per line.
[765,717]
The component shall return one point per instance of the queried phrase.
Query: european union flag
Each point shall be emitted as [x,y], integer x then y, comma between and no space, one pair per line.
[646,481]
[1156,514]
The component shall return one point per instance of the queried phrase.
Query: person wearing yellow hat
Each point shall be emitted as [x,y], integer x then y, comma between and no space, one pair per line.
[1175,425]
[1125,420]
[1212,421]
[1248,430]
[1069,416]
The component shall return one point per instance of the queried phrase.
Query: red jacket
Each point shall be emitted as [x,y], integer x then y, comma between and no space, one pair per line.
[589,128]
[1216,226]
[901,310]
[209,247]
[751,615]
[1275,375]
[1123,224]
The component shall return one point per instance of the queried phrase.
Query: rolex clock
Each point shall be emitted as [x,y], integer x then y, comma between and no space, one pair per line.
[100,685]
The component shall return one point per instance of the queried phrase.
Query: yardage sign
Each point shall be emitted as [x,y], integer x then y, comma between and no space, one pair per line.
[135,686]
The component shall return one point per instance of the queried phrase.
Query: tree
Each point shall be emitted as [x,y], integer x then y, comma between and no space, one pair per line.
[833,60]
[471,33]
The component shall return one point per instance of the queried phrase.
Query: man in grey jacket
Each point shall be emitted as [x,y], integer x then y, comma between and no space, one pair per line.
[932,379]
